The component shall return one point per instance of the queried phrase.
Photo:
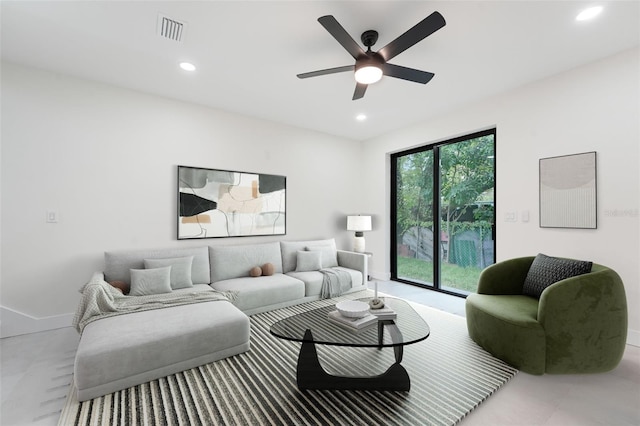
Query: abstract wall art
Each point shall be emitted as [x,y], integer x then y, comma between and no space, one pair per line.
[216,203]
[568,191]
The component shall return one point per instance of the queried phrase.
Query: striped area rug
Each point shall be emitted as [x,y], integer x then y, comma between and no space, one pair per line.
[450,376]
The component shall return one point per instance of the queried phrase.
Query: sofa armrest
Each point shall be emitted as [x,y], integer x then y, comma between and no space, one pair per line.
[582,316]
[353,260]
[97,276]
[599,291]
[506,277]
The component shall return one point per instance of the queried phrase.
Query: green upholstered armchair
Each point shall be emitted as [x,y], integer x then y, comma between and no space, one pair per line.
[579,324]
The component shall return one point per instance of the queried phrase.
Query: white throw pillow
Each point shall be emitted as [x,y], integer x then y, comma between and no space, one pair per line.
[180,270]
[309,261]
[329,254]
[145,282]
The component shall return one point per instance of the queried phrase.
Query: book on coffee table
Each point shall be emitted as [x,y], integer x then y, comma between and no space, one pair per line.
[354,323]
[385,313]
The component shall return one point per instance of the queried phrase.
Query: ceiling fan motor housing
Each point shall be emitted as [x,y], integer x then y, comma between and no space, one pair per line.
[371,59]
[369,38]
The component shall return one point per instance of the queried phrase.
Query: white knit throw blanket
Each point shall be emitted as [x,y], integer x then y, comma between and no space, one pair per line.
[334,282]
[101,300]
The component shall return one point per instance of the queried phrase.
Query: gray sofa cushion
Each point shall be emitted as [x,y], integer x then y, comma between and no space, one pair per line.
[180,270]
[262,291]
[118,263]
[328,253]
[308,261]
[313,280]
[290,250]
[145,282]
[229,262]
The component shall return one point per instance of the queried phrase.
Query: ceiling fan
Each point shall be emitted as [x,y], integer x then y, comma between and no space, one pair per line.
[371,66]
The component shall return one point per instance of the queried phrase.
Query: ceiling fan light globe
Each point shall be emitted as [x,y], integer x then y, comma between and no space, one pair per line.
[368,74]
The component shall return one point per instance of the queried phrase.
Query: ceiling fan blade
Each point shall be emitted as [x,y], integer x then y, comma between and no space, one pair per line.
[418,32]
[359,92]
[339,33]
[327,71]
[405,73]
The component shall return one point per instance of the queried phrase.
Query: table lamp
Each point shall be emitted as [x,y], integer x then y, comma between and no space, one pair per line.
[359,224]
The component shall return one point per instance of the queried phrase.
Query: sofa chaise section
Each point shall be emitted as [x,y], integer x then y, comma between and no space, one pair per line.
[126,350]
[121,351]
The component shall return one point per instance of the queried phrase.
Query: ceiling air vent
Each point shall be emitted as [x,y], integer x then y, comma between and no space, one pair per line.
[171,28]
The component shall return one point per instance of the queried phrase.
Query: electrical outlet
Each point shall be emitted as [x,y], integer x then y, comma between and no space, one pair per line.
[510,217]
[52,216]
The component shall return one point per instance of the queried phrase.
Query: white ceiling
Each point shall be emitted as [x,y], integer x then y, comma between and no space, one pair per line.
[248,53]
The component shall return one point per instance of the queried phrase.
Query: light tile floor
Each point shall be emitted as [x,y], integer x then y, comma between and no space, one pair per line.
[35,373]
[608,399]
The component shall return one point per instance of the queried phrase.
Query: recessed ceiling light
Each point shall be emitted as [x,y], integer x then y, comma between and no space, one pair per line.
[187,66]
[589,13]
[361,117]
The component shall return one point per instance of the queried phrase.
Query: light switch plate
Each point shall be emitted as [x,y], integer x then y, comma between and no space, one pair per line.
[52,216]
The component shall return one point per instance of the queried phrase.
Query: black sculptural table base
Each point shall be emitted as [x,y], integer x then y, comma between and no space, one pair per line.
[311,375]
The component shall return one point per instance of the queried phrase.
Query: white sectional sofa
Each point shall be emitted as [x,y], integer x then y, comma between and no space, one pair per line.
[121,351]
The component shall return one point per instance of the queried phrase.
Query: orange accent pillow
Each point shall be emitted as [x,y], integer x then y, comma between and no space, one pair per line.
[121,285]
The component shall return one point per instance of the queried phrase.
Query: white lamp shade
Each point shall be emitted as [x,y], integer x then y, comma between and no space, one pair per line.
[358,223]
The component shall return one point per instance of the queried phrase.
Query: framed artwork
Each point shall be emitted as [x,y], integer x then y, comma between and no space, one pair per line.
[223,203]
[568,191]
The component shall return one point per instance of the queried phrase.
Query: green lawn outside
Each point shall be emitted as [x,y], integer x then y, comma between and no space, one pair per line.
[465,279]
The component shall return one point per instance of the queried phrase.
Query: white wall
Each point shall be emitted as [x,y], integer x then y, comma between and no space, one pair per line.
[592,108]
[77,147]
[105,159]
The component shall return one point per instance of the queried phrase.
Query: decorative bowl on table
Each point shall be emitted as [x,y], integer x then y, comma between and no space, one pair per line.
[352,308]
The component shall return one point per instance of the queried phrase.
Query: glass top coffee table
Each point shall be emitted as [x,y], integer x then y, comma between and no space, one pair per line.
[314,327]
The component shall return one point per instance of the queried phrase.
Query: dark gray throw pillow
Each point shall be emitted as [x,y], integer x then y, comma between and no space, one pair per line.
[546,270]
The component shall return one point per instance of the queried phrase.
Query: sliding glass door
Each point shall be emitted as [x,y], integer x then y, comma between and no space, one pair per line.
[414,213]
[443,199]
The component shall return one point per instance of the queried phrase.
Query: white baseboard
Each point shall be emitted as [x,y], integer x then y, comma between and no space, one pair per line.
[14,323]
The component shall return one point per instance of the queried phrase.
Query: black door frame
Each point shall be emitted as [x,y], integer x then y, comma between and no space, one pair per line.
[434,147]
